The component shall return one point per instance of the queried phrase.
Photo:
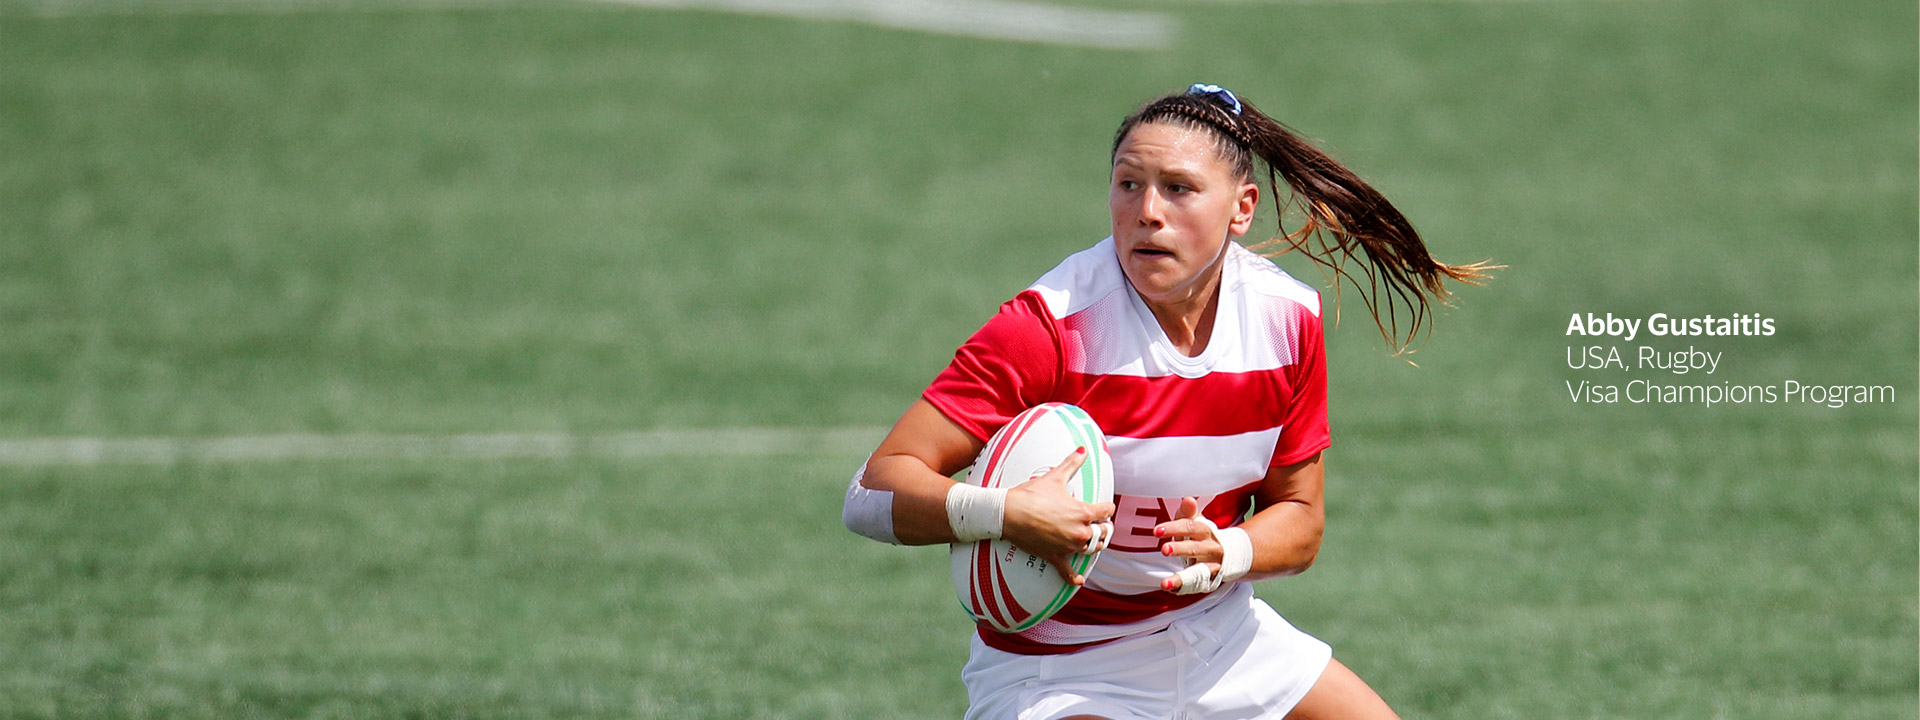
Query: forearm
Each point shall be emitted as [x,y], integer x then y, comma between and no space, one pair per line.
[919,498]
[1286,539]
[908,477]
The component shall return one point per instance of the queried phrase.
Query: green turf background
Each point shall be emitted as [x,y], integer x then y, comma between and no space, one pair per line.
[584,218]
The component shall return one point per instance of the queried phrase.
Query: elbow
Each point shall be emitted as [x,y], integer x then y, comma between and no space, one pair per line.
[868,512]
[848,518]
[1292,559]
[1296,562]
[853,510]
[1306,547]
[1306,557]
[1306,552]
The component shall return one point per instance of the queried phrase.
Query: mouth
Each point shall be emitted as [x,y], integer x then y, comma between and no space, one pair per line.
[1152,253]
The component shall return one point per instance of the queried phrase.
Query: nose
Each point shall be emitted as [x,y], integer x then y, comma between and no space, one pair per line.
[1153,208]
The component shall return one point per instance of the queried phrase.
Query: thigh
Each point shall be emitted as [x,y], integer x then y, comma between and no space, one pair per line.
[1343,695]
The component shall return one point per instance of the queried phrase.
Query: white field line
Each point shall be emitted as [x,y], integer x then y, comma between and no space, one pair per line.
[722,442]
[1429,2]
[160,8]
[1015,20]
[1053,24]
[990,19]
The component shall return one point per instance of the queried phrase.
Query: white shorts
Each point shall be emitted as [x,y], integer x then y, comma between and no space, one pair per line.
[1237,660]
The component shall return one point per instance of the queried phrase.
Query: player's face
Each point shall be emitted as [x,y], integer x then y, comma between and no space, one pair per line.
[1175,202]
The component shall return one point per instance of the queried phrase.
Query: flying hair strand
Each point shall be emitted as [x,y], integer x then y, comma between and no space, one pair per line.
[1347,228]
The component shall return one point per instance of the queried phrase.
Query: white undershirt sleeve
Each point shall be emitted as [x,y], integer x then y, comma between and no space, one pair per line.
[868,512]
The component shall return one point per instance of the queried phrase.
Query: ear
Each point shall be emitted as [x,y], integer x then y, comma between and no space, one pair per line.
[1243,208]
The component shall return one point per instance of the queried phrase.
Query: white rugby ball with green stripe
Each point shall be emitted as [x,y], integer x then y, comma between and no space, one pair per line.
[1004,588]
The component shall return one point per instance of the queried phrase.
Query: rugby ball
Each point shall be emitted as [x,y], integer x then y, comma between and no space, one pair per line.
[1004,588]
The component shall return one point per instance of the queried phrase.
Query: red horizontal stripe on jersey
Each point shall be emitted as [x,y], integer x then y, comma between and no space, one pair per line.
[1093,607]
[1215,404]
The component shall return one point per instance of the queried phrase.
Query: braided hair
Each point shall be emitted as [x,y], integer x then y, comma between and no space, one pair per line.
[1343,215]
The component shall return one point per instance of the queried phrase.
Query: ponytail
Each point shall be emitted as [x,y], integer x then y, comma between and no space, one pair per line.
[1344,217]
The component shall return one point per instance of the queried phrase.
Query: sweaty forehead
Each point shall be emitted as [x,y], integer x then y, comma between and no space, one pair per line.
[1172,146]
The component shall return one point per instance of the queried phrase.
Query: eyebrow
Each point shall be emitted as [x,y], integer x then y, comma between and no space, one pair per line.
[1184,173]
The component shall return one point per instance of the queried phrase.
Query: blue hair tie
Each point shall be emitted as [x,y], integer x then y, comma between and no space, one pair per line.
[1225,96]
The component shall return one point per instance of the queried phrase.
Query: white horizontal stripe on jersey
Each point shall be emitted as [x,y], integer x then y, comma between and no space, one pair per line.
[1190,465]
[1111,331]
[1084,278]
[1263,277]
[1132,573]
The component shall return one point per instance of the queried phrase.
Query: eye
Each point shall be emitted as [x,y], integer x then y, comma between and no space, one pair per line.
[1128,185]
[1179,189]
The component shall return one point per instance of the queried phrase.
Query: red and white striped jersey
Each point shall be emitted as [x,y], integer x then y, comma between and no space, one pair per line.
[1207,426]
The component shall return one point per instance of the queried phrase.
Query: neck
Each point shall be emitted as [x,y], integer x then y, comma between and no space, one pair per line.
[1188,321]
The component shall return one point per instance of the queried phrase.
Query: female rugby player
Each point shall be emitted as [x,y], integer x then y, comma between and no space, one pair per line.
[1202,361]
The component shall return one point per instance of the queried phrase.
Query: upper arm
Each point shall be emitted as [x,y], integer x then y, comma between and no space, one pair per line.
[1302,483]
[1304,427]
[913,466]
[899,495]
[1289,518]
[926,435]
[1011,363]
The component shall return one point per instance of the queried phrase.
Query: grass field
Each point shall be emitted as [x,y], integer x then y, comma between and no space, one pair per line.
[584,218]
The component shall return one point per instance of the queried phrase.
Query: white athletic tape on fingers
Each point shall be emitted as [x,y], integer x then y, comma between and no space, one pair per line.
[976,513]
[1102,536]
[1236,559]
[1195,579]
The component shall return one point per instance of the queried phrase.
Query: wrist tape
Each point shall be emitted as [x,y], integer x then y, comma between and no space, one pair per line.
[975,513]
[1238,558]
[1236,549]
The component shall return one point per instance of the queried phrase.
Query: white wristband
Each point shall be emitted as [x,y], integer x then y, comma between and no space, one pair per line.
[976,513]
